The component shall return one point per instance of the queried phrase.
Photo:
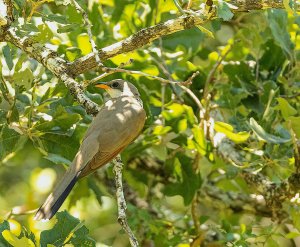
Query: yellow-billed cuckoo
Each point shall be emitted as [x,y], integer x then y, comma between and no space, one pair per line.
[118,123]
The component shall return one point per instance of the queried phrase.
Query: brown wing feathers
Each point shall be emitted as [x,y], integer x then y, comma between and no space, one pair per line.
[116,125]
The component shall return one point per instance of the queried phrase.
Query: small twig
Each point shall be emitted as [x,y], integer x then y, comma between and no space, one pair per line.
[16,211]
[181,85]
[162,65]
[35,6]
[163,86]
[89,31]
[213,71]
[290,96]
[122,219]
[194,213]
[181,10]
[109,71]
[149,34]
[189,81]
[195,98]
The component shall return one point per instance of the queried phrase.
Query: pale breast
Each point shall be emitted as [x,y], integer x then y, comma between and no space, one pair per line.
[117,124]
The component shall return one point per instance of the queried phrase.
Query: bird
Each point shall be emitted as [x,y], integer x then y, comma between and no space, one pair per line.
[118,122]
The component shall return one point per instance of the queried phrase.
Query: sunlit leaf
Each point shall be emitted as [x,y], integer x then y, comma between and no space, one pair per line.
[24,78]
[4,226]
[173,111]
[286,4]
[199,137]
[45,34]
[292,235]
[227,129]
[84,44]
[286,109]
[161,130]
[295,124]
[206,31]
[14,241]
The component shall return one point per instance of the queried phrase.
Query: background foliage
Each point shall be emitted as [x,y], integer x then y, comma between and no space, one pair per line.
[180,189]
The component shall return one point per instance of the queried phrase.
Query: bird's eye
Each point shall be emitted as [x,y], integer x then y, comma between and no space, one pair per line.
[115,85]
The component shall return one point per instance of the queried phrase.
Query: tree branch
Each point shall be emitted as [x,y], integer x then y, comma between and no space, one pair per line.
[239,201]
[121,201]
[147,35]
[89,31]
[54,63]
[135,41]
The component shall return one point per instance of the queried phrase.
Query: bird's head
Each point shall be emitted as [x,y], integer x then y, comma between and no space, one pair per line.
[119,87]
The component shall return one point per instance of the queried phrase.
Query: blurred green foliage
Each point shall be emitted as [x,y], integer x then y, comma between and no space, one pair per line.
[255,90]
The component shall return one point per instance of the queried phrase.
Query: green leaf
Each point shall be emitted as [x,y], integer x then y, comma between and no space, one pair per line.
[30,27]
[287,6]
[67,28]
[173,111]
[8,56]
[61,118]
[45,34]
[57,159]
[178,39]
[56,18]
[16,242]
[295,125]
[286,109]
[224,11]
[189,114]
[295,215]
[20,3]
[189,184]
[93,186]
[8,140]
[182,125]
[272,243]
[278,22]
[23,77]
[199,137]
[206,31]
[67,229]
[4,226]
[227,129]
[292,235]
[264,136]
[21,59]
[161,130]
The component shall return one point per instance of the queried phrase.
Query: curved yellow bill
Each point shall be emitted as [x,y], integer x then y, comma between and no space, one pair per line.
[103,86]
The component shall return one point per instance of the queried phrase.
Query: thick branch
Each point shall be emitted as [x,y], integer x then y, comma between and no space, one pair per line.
[246,5]
[274,193]
[54,63]
[147,35]
[135,41]
[239,201]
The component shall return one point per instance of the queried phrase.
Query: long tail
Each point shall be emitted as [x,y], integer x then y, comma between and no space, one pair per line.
[57,197]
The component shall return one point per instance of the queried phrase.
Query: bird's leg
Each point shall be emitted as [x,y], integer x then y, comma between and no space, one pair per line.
[122,219]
